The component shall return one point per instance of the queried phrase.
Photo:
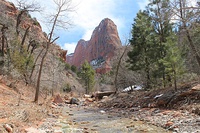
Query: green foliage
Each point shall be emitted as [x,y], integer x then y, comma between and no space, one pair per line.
[106,78]
[67,66]
[66,88]
[73,68]
[145,49]
[87,74]
[173,61]
[160,13]
[21,59]
[154,46]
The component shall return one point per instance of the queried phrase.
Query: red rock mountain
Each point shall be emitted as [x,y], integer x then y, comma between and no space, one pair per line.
[100,49]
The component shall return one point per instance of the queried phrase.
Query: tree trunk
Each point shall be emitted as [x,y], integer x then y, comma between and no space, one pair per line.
[147,70]
[19,21]
[39,76]
[3,30]
[175,83]
[35,64]
[117,70]
[24,38]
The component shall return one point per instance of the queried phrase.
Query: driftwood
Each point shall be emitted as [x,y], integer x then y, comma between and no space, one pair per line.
[99,95]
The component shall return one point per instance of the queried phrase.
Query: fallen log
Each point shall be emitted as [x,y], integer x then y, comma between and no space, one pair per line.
[99,95]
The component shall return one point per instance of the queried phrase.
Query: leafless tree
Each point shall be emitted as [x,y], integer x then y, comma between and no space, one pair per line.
[57,20]
[118,66]
[186,14]
[25,7]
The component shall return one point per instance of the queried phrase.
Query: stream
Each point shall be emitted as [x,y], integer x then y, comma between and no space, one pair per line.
[94,120]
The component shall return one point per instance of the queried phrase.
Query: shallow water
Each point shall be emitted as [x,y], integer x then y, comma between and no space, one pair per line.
[89,120]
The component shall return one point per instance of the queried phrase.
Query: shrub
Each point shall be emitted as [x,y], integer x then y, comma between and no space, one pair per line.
[67,66]
[67,88]
[73,68]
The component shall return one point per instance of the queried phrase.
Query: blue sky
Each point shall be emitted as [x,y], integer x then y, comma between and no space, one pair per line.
[88,14]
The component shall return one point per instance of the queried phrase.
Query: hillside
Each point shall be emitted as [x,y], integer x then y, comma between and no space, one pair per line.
[54,75]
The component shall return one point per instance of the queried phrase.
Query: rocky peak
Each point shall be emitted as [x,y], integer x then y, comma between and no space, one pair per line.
[99,49]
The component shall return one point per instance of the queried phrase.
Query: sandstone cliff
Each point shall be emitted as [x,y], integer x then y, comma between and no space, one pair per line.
[54,75]
[100,49]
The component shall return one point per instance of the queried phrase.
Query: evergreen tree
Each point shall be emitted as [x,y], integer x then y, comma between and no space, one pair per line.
[144,51]
[160,13]
[173,61]
[87,74]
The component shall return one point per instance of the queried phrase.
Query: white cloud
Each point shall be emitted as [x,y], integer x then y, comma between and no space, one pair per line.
[142,4]
[70,47]
[89,13]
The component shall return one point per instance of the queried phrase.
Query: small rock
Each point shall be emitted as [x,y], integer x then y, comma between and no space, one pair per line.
[196,88]
[156,111]
[89,99]
[110,116]
[102,111]
[176,130]
[57,131]
[169,123]
[74,101]
[198,120]
[136,119]
[105,97]
[86,96]
[53,106]
[8,127]
[196,111]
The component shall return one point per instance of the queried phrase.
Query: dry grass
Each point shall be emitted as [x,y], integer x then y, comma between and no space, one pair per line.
[18,109]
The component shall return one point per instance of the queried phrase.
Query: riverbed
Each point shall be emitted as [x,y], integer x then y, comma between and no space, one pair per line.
[95,120]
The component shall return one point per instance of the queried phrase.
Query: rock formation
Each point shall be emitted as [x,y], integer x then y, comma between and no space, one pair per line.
[100,49]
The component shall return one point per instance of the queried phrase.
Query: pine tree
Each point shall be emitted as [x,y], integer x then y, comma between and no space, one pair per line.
[173,61]
[160,13]
[144,47]
[87,74]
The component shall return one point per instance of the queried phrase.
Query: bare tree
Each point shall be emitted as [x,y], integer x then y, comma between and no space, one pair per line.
[118,65]
[63,7]
[25,7]
[186,14]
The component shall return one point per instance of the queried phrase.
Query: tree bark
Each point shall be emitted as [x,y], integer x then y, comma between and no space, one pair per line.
[19,20]
[3,30]
[39,76]
[24,38]
[117,70]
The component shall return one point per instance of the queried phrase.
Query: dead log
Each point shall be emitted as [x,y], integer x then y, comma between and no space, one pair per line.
[99,95]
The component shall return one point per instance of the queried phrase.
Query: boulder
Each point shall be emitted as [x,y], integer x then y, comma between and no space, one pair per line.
[74,101]
[57,99]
